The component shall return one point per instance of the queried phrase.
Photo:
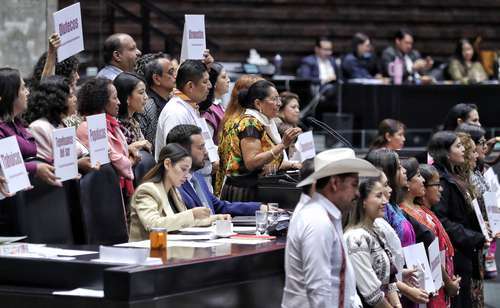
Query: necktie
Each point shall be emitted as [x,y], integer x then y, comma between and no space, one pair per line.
[200,193]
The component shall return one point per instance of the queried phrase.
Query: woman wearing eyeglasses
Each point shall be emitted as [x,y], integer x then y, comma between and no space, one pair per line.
[252,144]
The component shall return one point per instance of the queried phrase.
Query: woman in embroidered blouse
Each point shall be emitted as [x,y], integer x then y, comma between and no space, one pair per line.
[98,95]
[211,108]
[253,144]
[157,202]
[455,212]
[13,102]
[131,92]
[432,196]
[51,101]
[367,248]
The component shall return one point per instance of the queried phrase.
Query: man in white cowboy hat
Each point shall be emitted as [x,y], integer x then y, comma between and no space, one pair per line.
[318,271]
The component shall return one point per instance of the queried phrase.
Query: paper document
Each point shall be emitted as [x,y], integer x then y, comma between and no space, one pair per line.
[416,257]
[193,38]
[435,263]
[68,24]
[480,219]
[81,292]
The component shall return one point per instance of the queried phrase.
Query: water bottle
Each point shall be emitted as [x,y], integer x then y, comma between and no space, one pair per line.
[278,61]
[398,71]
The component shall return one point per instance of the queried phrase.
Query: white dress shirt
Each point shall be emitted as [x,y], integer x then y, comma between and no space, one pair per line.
[313,258]
[326,71]
[175,112]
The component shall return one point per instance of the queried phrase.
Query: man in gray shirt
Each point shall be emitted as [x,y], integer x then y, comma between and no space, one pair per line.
[120,55]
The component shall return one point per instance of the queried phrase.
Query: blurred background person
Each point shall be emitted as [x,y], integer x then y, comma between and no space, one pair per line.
[465,67]
[361,62]
[391,135]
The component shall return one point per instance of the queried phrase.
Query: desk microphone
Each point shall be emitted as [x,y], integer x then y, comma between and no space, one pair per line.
[330,131]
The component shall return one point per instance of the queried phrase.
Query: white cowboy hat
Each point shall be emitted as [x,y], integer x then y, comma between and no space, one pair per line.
[338,161]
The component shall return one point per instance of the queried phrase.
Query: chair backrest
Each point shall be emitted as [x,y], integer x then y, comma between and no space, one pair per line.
[102,209]
[42,213]
[147,162]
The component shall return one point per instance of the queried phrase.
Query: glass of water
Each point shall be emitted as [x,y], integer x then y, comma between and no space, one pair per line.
[260,222]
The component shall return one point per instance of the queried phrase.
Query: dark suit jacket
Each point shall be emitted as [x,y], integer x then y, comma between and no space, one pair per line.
[389,55]
[218,206]
[309,68]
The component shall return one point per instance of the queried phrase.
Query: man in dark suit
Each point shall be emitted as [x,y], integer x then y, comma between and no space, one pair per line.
[195,191]
[413,63]
[321,66]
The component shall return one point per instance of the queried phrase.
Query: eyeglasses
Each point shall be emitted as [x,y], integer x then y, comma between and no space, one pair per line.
[276,99]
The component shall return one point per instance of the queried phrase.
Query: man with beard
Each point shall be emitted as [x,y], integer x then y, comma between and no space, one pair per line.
[195,191]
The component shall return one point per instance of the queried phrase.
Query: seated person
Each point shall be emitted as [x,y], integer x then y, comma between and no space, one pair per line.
[321,66]
[96,96]
[131,92]
[361,62]
[51,101]
[13,102]
[195,191]
[253,146]
[289,116]
[157,203]
[464,67]
[413,63]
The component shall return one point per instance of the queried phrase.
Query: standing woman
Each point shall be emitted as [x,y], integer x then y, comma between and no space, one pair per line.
[13,102]
[367,248]
[432,196]
[211,108]
[455,211]
[131,92]
[253,145]
[391,135]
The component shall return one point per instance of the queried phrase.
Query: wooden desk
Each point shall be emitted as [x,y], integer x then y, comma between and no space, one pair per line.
[222,276]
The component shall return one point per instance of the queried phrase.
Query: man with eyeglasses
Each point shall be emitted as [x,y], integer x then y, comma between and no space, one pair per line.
[160,79]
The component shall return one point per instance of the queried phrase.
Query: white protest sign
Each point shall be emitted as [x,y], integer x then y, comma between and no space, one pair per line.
[64,149]
[480,218]
[492,210]
[68,23]
[210,146]
[435,263]
[12,164]
[491,177]
[416,257]
[193,38]
[305,146]
[98,139]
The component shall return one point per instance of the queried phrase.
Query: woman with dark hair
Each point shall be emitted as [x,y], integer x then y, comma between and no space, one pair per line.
[289,112]
[51,101]
[253,145]
[157,202]
[461,113]
[431,197]
[360,63]
[456,213]
[131,92]
[13,102]
[368,251]
[391,135]
[211,108]
[98,95]
[464,67]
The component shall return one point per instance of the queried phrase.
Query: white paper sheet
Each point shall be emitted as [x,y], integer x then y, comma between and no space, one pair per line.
[193,38]
[435,263]
[12,165]
[305,146]
[98,139]
[416,257]
[68,24]
[239,241]
[480,218]
[492,210]
[64,149]
[11,239]
[81,292]
[187,237]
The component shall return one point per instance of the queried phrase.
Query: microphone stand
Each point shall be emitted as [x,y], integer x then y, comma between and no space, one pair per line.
[331,131]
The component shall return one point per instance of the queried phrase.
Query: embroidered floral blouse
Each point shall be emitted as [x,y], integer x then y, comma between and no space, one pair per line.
[230,153]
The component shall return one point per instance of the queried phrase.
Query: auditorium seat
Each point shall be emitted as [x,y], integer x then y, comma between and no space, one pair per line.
[102,208]
[147,162]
